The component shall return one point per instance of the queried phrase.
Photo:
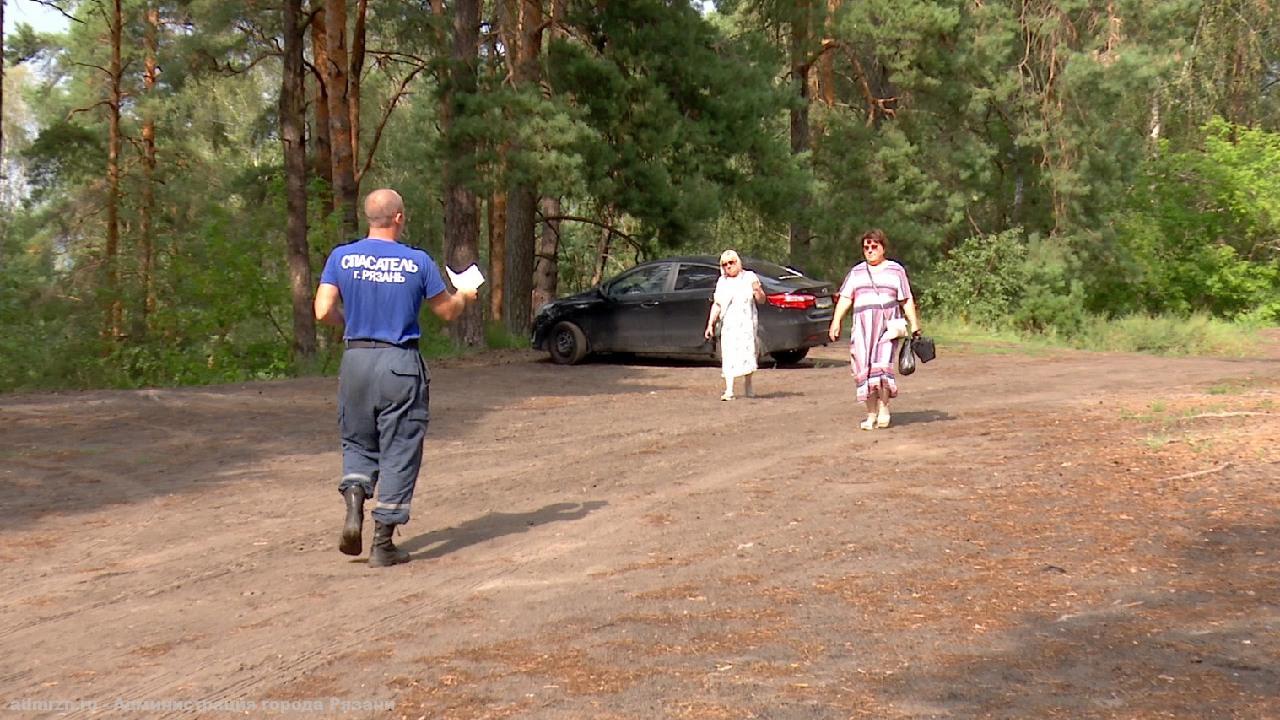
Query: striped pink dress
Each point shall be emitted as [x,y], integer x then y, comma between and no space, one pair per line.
[877,294]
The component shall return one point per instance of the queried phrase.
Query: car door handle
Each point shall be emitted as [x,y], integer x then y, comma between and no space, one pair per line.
[649,303]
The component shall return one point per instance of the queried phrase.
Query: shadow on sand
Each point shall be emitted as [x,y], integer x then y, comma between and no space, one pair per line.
[493,525]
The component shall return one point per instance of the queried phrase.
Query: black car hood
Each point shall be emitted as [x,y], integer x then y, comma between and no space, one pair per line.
[561,305]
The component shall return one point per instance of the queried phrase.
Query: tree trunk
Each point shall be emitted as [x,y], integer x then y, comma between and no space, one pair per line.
[461,215]
[603,248]
[146,213]
[114,326]
[546,257]
[518,294]
[522,198]
[546,265]
[3,166]
[353,85]
[497,253]
[322,158]
[497,210]
[798,235]
[293,118]
[826,75]
[344,173]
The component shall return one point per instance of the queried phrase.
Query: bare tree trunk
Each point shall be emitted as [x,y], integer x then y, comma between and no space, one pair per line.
[353,84]
[322,159]
[497,252]
[461,213]
[114,329]
[344,173]
[546,265]
[799,236]
[293,117]
[497,210]
[518,294]
[603,248]
[826,75]
[546,257]
[1153,134]
[3,166]
[150,69]
[522,198]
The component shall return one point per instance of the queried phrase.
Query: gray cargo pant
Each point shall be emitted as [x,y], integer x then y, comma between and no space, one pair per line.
[383,396]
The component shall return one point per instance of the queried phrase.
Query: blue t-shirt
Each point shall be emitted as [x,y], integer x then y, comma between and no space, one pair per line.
[382,284]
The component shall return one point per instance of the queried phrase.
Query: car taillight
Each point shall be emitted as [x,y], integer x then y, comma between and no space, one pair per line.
[795,301]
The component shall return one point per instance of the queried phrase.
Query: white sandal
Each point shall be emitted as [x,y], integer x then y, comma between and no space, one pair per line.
[869,423]
[727,396]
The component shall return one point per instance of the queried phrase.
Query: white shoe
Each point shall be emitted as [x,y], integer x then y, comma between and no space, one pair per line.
[727,396]
[869,423]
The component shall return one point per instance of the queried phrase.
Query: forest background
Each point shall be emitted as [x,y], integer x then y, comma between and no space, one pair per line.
[1099,172]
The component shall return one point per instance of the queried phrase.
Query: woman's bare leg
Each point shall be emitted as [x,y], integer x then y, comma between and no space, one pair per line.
[873,395]
[746,386]
[882,408]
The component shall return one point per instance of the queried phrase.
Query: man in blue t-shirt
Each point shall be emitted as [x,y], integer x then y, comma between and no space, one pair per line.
[375,287]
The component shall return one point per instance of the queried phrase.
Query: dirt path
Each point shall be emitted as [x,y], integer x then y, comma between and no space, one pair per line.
[1071,535]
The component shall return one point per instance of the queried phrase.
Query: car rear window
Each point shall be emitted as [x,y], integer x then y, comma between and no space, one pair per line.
[768,269]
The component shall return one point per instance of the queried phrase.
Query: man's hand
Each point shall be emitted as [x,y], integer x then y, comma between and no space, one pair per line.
[449,305]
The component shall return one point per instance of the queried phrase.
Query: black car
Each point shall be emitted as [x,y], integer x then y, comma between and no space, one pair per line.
[660,308]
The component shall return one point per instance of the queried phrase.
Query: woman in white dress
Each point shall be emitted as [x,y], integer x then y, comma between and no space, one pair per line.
[734,304]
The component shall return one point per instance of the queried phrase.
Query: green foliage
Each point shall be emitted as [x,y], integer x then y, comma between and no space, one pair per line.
[981,281]
[1005,149]
[1202,231]
[1198,334]
[677,115]
[1159,335]
[496,335]
[64,152]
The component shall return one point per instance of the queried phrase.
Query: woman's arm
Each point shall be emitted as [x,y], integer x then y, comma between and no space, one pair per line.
[909,308]
[757,291]
[711,321]
[837,319]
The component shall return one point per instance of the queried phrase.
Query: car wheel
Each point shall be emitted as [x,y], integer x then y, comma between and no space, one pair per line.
[568,344]
[789,357]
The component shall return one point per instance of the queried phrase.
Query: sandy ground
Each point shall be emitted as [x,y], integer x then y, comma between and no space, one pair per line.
[1057,535]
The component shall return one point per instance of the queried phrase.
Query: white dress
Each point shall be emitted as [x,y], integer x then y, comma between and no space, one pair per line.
[738,324]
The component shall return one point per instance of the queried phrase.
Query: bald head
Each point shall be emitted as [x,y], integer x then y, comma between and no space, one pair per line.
[381,206]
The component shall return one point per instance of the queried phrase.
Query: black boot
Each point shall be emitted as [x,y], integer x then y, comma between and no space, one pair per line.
[352,543]
[384,552]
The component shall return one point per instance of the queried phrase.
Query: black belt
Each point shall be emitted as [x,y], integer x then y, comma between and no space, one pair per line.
[406,345]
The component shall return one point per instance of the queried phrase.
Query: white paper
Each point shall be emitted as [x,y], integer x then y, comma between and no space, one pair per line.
[468,279]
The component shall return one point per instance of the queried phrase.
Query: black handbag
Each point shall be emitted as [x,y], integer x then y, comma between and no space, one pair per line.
[923,348]
[906,358]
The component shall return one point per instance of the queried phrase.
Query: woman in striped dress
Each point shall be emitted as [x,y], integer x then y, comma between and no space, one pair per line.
[878,291]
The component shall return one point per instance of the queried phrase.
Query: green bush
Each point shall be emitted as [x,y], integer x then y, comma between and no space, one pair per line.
[980,281]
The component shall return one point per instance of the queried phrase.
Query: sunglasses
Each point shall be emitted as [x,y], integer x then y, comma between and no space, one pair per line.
[727,263]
